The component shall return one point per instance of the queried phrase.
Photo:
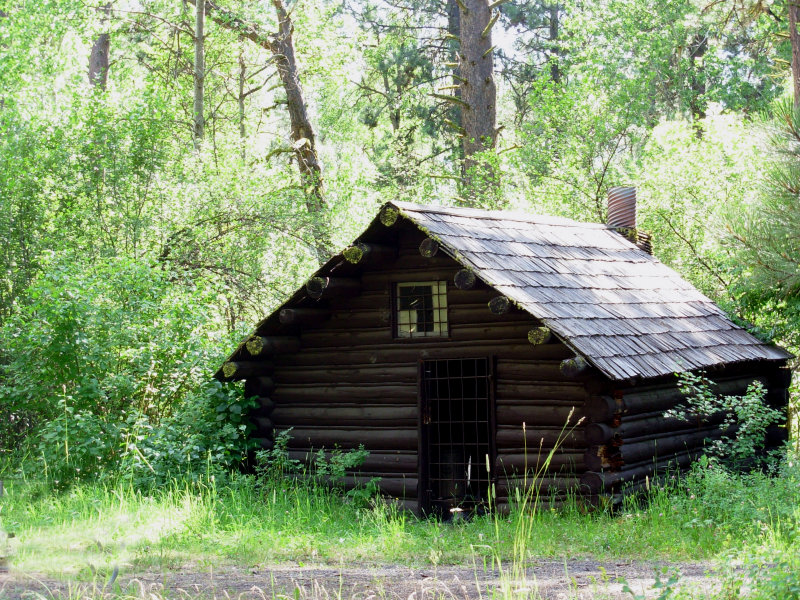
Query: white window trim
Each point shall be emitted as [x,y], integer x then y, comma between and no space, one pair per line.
[407,319]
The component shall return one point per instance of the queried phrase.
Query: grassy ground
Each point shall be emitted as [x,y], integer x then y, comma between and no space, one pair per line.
[93,528]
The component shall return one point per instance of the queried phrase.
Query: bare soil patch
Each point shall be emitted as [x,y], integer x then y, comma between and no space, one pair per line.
[573,579]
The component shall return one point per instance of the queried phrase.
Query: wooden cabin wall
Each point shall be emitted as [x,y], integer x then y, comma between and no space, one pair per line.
[631,443]
[353,383]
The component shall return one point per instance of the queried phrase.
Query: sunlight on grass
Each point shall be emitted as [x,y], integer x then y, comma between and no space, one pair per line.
[91,529]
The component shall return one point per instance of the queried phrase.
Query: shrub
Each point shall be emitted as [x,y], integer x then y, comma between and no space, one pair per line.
[748,414]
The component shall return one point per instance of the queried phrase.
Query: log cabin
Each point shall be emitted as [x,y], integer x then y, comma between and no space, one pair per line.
[463,347]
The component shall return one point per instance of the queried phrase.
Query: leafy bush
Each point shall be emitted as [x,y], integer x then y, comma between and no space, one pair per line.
[107,368]
[748,414]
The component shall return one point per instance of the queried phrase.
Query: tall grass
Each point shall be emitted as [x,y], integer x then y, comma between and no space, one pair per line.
[90,529]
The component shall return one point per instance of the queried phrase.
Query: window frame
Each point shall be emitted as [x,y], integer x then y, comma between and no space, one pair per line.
[439,303]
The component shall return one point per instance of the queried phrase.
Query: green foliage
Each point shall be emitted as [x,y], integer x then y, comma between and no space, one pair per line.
[748,416]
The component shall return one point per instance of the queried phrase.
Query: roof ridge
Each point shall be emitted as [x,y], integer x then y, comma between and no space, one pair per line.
[498,215]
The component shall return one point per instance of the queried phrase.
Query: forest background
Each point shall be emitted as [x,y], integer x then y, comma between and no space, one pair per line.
[170,171]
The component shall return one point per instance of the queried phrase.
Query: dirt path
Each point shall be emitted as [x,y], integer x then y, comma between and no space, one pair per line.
[577,579]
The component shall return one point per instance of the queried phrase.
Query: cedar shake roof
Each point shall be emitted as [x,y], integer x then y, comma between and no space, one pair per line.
[620,308]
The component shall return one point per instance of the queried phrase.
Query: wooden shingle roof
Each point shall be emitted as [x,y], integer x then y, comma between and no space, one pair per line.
[617,306]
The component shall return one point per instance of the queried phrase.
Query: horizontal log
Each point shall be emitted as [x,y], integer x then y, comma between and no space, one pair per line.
[400,487]
[323,338]
[399,353]
[428,248]
[533,485]
[389,462]
[303,316]
[374,439]
[534,415]
[543,392]
[348,374]
[513,438]
[540,335]
[574,367]
[615,458]
[369,254]
[564,461]
[236,370]
[600,433]
[374,393]
[465,279]
[372,281]
[258,386]
[540,370]
[500,305]
[594,483]
[289,415]
[270,345]
[265,406]
[662,399]
[469,314]
[328,287]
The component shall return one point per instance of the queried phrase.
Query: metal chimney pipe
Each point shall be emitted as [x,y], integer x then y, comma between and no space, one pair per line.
[622,207]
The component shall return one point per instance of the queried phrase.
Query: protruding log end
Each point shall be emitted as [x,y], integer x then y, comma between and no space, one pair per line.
[389,216]
[259,345]
[354,254]
[499,305]
[465,279]
[428,248]
[241,370]
[574,367]
[362,253]
[316,286]
[539,335]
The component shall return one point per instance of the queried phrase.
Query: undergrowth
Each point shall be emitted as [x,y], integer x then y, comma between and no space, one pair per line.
[247,521]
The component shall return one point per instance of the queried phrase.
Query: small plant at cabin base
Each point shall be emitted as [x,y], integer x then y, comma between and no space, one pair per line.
[745,421]
[325,468]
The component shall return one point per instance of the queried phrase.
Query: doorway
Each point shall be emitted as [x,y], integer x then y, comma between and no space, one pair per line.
[456,440]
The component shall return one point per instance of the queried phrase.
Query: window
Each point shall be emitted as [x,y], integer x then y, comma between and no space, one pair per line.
[422,309]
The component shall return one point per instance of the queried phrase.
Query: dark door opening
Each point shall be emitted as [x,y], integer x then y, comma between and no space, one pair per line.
[456,435]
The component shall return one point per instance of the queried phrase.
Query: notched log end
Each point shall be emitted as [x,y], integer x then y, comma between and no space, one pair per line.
[573,367]
[254,346]
[499,305]
[539,335]
[354,254]
[229,369]
[428,248]
[389,216]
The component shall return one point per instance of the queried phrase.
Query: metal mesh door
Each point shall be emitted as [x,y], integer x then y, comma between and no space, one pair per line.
[456,433]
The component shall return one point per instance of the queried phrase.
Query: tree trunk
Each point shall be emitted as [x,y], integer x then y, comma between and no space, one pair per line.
[199,72]
[301,131]
[794,37]
[98,58]
[555,69]
[478,94]
[281,46]
[697,104]
[241,98]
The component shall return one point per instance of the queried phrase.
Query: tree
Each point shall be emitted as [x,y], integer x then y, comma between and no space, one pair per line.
[199,72]
[99,57]
[478,96]
[281,45]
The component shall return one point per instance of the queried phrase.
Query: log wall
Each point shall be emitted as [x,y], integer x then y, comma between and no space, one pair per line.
[351,382]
